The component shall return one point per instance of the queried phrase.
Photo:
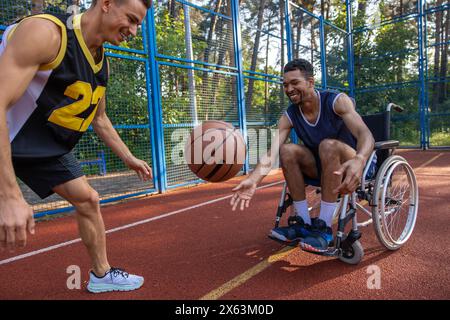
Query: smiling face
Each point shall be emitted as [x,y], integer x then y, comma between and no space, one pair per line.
[297,87]
[122,19]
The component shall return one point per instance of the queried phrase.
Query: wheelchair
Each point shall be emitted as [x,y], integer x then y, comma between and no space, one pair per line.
[392,196]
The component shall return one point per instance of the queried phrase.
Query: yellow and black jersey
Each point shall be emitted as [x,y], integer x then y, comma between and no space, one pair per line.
[61,100]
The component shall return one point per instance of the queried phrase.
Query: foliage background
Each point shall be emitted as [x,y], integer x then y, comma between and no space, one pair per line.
[198,77]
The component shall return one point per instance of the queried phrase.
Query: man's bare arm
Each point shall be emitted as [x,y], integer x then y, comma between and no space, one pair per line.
[245,190]
[35,42]
[106,132]
[352,170]
[365,142]
[266,162]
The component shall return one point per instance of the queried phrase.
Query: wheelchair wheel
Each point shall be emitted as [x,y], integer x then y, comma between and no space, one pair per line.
[352,255]
[396,199]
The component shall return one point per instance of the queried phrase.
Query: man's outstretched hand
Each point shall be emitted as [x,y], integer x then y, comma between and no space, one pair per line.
[243,193]
[351,171]
[141,167]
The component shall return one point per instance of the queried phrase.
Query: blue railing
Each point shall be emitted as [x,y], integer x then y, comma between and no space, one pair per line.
[238,71]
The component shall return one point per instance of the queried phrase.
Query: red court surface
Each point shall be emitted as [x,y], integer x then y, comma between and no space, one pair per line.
[188,244]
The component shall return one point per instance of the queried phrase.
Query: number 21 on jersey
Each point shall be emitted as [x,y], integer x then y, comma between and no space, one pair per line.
[67,116]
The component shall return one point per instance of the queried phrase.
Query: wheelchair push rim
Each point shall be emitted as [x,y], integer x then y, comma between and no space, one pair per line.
[396,208]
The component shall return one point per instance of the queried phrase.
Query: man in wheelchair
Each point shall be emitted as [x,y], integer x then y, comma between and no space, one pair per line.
[336,147]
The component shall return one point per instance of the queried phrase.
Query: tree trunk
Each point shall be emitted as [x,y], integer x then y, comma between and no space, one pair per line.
[259,23]
[172,9]
[266,71]
[228,42]
[299,36]
[37,6]
[361,13]
[358,44]
[322,13]
[231,53]
[282,17]
[313,41]
[212,29]
[400,59]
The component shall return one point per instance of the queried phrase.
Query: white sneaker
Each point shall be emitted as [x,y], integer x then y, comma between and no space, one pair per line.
[114,280]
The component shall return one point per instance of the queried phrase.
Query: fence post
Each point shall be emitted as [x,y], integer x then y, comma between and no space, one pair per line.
[425,56]
[350,51]
[422,89]
[156,129]
[290,52]
[145,39]
[287,23]
[240,76]
[323,61]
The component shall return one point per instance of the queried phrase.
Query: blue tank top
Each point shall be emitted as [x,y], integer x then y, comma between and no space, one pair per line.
[328,124]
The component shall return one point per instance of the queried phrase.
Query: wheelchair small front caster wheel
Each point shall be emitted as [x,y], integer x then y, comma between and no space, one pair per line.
[353,254]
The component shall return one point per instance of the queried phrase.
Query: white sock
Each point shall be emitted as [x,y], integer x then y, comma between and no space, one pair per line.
[327,211]
[301,208]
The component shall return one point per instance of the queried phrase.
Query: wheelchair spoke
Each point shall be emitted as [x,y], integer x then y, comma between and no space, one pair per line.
[398,205]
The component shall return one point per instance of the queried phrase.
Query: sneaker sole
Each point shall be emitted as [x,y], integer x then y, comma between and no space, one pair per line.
[277,237]
[110,288]
[308,248]
[291,243]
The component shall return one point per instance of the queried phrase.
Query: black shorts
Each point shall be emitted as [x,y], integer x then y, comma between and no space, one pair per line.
[43,175]
[316,182]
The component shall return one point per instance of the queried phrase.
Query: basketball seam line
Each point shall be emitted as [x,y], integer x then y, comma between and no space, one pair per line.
[218,166]
[235,157]
[203,163]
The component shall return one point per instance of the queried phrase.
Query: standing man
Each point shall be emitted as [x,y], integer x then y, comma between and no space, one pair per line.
[53,77]
[336,146]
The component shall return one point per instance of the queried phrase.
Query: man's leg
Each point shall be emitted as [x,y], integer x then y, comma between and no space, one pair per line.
[333,154]
[103,278]
[296,161]
[90,222]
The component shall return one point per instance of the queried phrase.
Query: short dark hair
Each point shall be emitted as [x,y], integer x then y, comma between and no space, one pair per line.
[147,3]
[300,64]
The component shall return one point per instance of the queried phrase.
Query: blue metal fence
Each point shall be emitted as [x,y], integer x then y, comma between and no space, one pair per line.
[201,60]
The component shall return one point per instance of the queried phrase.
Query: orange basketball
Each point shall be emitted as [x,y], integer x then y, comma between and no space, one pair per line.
[215,151]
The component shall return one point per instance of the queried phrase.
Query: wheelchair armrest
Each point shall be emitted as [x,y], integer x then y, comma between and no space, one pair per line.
[380,145]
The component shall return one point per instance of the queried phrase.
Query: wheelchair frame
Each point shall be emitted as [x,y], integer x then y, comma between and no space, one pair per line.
[347,246]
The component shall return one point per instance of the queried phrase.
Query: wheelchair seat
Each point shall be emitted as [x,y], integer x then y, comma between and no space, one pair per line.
[379,124]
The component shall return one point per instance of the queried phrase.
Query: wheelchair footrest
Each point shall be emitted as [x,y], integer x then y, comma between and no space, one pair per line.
[331,252]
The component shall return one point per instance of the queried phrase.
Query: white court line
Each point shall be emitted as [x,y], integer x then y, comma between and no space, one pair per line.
[427,163]
[64,244]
